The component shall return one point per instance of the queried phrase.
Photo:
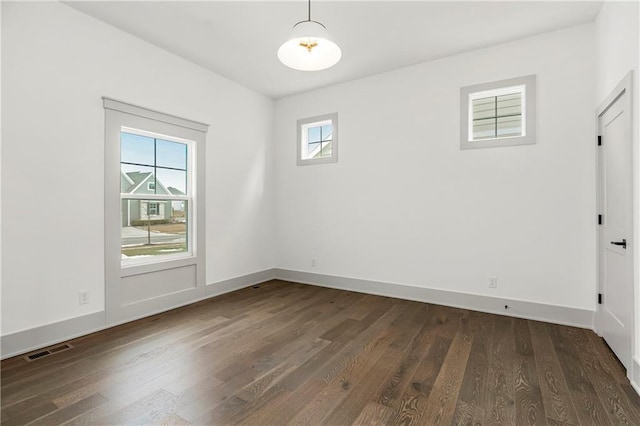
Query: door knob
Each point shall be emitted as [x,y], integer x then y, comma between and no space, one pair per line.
[622,243]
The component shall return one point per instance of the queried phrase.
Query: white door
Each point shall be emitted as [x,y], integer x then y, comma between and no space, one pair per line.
[615,314]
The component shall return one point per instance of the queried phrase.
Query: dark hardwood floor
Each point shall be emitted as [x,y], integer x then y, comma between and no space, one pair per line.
[287,353]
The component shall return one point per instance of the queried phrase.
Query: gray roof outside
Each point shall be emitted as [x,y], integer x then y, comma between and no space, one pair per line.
[175,191]
[140,177]
[137,178]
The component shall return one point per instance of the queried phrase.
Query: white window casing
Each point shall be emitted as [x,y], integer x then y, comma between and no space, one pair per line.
[521,91]
[138,288]
[306,157]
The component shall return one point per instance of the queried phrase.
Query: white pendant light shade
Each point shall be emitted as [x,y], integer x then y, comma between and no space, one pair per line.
[309,48]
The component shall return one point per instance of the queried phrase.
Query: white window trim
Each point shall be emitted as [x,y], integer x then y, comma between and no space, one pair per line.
[119,116]
[149,186]
[526,85]
[301,139]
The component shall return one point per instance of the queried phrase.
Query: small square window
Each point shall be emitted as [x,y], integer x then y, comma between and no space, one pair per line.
[501,113]
[318,139]
[151,186]
[153,209]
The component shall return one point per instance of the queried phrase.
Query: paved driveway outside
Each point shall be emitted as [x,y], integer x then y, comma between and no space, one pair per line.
[132,235]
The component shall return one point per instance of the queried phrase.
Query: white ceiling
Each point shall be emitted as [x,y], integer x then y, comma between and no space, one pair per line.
[239,39]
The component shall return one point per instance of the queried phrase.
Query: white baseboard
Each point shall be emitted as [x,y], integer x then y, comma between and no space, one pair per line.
[50,334]
[232,284]
[528,310]
[634,375]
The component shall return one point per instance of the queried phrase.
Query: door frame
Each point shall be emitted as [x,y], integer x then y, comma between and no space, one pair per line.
[624,87]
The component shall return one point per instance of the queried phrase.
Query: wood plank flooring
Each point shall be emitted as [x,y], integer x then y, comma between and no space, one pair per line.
[287,353]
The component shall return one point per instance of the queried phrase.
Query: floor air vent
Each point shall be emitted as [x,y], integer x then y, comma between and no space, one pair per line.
[46,352]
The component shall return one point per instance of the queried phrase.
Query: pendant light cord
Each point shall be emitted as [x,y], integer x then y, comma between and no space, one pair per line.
[308,16]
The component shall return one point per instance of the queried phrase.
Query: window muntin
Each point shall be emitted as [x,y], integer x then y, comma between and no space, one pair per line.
[155,197]
[500,113]
[152,208]
[162,158]
[317,139]
[497,114]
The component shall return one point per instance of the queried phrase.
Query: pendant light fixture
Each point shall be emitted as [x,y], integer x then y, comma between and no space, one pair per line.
[309,48]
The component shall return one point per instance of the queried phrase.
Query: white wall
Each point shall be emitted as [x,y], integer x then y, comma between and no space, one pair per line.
[616,45]
[617,53]
[405,205]
[0,172]
[56,65]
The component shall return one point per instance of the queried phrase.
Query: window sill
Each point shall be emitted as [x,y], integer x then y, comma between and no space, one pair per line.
[133,267]
[498,142]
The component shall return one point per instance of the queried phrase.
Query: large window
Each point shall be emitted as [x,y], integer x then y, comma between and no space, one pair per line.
[500,113]
[154,204]
[155,194]
[318,139]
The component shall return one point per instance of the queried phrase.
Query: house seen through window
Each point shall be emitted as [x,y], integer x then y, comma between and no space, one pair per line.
[318,140]
[154,188]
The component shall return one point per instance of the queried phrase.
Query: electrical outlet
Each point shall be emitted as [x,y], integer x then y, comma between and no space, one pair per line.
[83,297]
[493,282]
[313,262]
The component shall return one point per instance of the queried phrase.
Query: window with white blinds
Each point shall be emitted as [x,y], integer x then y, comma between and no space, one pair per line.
[498,114]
